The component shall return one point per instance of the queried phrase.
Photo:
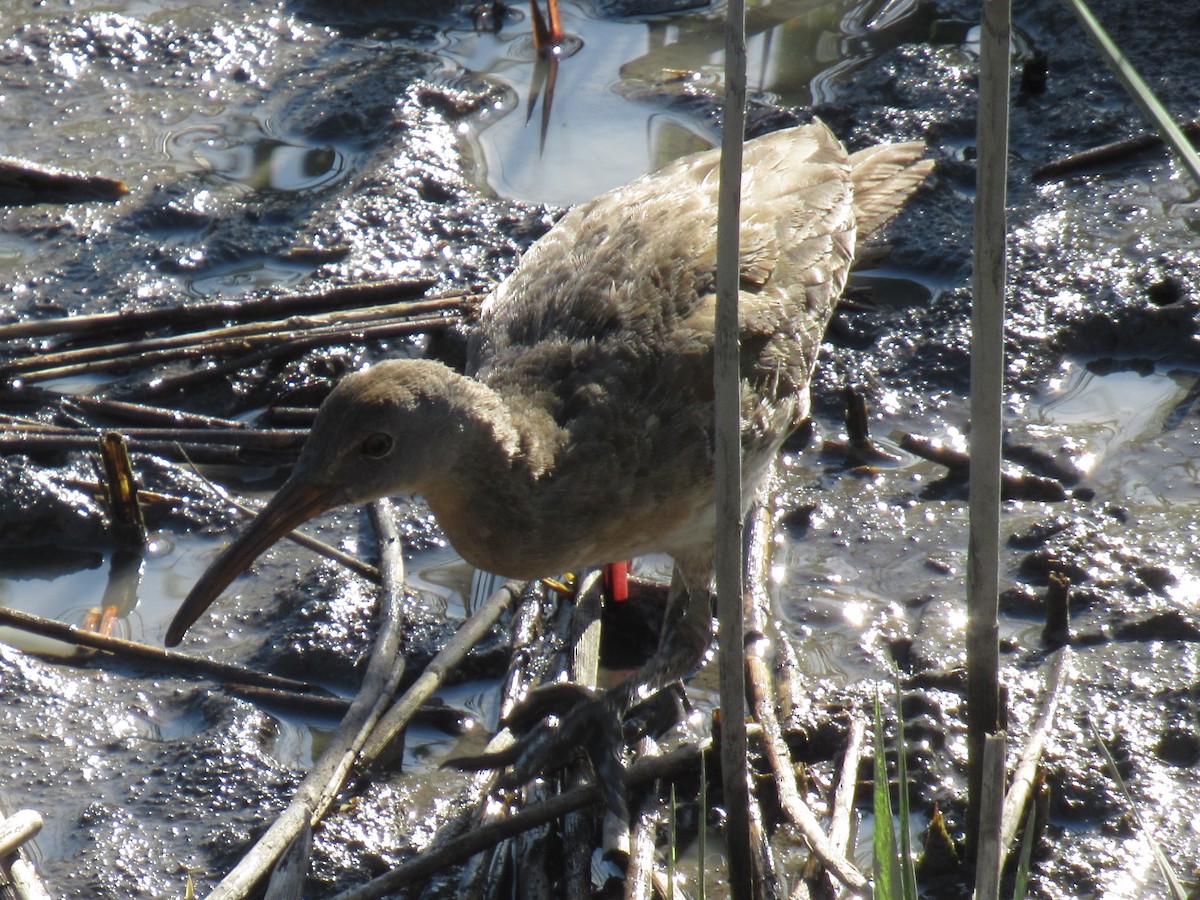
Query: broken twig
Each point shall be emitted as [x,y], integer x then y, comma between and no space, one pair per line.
[1107,154]
[1013,487]
[23,182]
[164,660]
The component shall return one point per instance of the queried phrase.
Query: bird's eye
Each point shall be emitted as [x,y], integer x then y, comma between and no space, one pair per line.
[377,445]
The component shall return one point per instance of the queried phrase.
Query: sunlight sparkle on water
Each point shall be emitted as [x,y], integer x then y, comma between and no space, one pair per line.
[855,614]
[1130,880]
[69,64]
[954,439]
[1186,587]
[1141,681]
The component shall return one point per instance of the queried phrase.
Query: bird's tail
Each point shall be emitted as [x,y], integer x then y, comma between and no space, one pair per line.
[885,176]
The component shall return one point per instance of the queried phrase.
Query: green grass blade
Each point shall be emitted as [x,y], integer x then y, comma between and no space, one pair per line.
[886,866]
[1137,88]
[908,874]
[1164,866]
[702,837]
[671,848]
[1021,884]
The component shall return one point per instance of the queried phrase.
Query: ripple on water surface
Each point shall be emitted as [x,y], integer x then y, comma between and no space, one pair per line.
[245,150]
[623,102]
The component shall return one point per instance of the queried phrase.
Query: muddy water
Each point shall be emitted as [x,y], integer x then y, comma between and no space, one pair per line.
[414,141]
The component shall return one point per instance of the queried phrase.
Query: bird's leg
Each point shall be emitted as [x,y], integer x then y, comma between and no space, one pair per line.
[687,625]
[595,725]
[686,635]
[548,32]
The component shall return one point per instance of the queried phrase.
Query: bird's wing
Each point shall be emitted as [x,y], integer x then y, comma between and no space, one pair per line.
[636,262]
[884,177]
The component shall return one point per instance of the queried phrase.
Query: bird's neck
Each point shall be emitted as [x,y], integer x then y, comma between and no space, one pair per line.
[502,452]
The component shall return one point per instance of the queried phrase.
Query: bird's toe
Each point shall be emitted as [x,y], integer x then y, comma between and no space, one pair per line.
[588,726]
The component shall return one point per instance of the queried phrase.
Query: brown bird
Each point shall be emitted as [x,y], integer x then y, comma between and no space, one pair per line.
[582,432]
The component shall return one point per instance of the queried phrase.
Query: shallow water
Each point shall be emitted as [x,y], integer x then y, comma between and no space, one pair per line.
[246,131]
[607,123]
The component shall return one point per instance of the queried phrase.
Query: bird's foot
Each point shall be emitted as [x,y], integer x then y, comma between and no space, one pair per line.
[589,724]
[598,725]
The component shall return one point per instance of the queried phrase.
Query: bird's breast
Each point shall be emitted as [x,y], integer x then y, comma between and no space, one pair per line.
[594,526]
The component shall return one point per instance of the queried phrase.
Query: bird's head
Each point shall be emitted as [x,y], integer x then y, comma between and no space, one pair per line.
[387,430]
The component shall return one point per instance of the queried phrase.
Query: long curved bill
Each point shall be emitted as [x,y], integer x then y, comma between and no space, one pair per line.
[296,502]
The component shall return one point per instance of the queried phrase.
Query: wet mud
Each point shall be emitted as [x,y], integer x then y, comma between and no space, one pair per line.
[307,145]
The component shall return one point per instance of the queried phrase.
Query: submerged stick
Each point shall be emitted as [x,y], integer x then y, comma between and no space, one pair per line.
[300,704]
[163,660]
[23,182]
[1115,151]
[445,719]
[1012,487]
[353,563]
